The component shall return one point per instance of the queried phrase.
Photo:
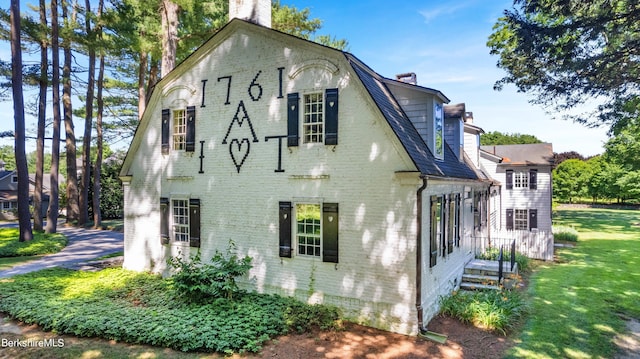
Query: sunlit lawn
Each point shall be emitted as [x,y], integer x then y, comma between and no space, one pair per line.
[578,303]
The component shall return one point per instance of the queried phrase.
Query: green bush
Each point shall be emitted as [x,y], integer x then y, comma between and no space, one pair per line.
[565,233]
[133,307]
[42,243]
[492,310]
[218,279]
[493,253]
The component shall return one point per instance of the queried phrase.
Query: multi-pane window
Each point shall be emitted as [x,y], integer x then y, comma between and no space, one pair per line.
[521,219]
[309,229]
[6,205]
[180,220]
[313,118]
[521,179]
[179,129]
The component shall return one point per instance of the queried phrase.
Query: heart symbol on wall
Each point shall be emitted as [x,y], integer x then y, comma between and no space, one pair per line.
[239,152]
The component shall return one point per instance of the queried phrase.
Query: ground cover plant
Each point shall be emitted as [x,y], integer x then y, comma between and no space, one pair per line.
[495,310]
[143,308]
[579,303]
[42,243]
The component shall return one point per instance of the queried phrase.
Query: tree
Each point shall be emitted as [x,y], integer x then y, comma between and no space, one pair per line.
[24,216]
[558,158]
[567,53]
[42,112]
[499,138]
[70,137]
[570,179]
[54,195]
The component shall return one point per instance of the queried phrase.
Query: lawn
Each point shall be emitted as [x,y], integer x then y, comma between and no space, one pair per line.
[579,303]
[42,243]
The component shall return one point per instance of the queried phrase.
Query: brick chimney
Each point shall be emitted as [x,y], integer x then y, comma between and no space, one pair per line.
[256,11]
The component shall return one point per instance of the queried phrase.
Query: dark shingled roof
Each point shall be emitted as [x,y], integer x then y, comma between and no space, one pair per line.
[404,129]
[528,154]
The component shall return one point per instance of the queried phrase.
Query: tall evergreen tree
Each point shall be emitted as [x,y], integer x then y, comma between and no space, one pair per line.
[54,206]
[42,113]
[24,216]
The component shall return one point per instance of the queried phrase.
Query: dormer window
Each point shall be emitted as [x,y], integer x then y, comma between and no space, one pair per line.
[438,131]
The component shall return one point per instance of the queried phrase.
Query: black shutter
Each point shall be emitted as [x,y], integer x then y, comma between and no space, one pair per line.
[194,222]
[330,232]
[509,179]
[458,217]
[533,218]
[166,122]
[433,240]
[509,219]
[285,229]
[450,220]
[191,129]
[533,179]
[292,119]
[331,117]
[164,220]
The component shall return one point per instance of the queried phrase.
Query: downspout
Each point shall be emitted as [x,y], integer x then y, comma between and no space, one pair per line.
[421,327]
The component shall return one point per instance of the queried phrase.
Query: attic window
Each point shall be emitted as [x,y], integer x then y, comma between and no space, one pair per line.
[179,129]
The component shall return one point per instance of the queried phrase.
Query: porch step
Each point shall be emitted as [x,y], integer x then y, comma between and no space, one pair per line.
[483,275]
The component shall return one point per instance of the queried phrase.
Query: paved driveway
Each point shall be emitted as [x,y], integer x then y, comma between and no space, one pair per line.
[84,244]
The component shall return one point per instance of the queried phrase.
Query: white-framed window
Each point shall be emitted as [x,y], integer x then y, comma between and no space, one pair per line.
[309,229]
[180,213]
[313,118]
[179,129]
[14,179]
[520,179]
[6,205]
[521,219]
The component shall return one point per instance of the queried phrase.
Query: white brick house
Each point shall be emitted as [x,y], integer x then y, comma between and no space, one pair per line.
[338,182]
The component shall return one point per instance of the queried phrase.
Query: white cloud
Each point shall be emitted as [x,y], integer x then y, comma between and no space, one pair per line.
[442,10]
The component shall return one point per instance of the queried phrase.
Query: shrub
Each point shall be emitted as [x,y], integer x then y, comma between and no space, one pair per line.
[565,233]
[493,253]
[218,279]
[42,243]
[492,310]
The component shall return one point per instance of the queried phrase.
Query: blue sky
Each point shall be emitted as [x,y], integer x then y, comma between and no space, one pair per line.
[444,43]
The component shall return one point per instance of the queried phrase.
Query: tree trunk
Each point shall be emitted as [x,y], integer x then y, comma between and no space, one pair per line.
[72,167]
[142,91]
[153,78]
[97,171]
[52,212]
[169,14]
[42,113]
[83,215]
[18,115]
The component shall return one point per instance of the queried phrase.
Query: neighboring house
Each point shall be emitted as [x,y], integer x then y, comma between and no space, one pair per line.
[9,193]
[338,182]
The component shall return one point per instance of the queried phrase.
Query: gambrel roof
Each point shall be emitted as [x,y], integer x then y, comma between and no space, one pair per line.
[376,86]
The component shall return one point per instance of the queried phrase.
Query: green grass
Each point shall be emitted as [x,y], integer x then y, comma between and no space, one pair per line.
[42,243]
[141,308]
[577,303]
